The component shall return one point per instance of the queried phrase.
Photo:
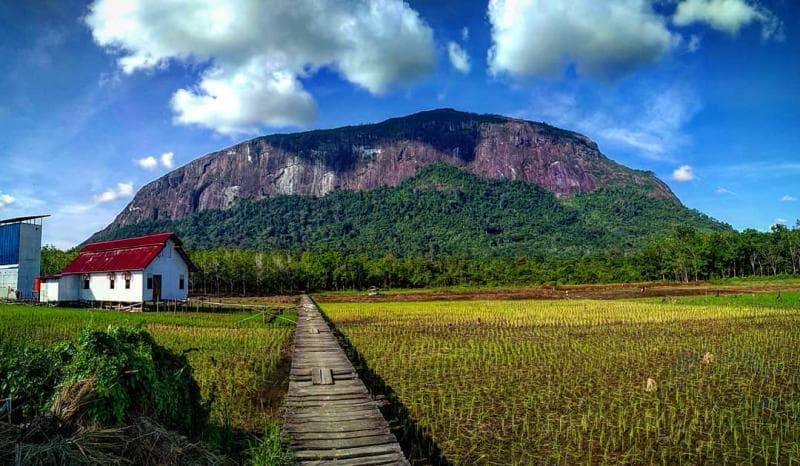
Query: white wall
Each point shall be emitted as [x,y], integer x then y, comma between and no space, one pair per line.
[8,278]
[100,288]
[49,291]
[170,265]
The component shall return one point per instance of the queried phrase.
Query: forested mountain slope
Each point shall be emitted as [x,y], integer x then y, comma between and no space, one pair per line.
[442,210]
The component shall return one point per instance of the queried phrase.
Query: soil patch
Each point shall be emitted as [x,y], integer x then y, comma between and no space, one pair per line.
[616,291]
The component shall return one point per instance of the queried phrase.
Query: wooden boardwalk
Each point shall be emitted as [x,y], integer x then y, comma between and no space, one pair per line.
[330,417]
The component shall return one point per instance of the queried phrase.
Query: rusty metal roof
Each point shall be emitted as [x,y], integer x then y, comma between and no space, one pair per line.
[122,255]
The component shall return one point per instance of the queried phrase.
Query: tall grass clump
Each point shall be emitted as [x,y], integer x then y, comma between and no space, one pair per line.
[269,451]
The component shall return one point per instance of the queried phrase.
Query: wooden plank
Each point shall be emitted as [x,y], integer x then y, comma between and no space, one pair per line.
[335,416]
[336,372]
[333,367]
[323,425]
[340,383]
[325,398]
[376,426]
[304,378]
[343,453]
[325,403]
[319,376]
[332,414]
[329,414]
[321,389]
[332,435]
[364,461]
[351,442]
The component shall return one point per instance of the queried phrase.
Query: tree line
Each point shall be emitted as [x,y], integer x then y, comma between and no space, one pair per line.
[684,254]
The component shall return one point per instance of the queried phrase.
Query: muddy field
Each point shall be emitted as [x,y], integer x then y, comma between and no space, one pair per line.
[616,291]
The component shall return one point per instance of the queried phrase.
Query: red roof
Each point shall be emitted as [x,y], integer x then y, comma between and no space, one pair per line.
[122,255]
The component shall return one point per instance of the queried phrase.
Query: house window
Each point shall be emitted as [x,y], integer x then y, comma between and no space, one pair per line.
[127,283]
[111,281]
[181,282]
[85,282]
[150,283]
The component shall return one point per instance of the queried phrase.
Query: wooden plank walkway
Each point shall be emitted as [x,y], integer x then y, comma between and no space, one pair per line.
[330,417]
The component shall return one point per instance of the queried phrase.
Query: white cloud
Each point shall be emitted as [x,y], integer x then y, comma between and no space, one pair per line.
[649,120]
[458,57]
[762,170]
[6,199]
[243,100]
[694,43]
[637,139]
[721,190]
[123,190]
[257,52]
[151,163]
[788,198]
[148,163]
[167,159]
[465,34]
[780,221]
[606,38]
[728,16]
[683,173]
[656,127]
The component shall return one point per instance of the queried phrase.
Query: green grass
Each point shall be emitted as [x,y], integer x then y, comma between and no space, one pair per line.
[770,280]
[235,356]
[782,300]
[270,451]
[565,382]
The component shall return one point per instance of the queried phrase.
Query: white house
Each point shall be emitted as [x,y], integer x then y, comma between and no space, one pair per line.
[131,270]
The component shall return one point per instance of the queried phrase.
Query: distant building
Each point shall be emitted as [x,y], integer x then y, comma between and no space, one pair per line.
[20,256]
[131,270]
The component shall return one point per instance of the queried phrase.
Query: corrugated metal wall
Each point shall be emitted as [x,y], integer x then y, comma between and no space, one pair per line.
[9,244]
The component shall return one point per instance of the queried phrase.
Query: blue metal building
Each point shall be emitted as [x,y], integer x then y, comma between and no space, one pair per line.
[20,256]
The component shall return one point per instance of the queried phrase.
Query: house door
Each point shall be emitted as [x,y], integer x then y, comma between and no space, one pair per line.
[156,287]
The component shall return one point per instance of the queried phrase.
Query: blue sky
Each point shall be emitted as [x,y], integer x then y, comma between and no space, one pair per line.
[99,98]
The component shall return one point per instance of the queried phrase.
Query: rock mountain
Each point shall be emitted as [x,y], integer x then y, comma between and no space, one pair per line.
[365,157]
[436,183]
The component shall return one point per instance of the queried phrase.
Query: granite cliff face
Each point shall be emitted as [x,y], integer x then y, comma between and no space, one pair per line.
[368,156]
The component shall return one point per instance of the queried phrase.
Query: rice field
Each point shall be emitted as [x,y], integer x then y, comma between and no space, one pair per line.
[235,356]
[590,382]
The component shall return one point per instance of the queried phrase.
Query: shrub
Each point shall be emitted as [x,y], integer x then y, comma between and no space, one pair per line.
[133,376]
[29,375]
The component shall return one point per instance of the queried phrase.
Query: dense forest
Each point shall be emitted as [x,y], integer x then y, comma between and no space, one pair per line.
[684,254]
[446,226]
[442,211]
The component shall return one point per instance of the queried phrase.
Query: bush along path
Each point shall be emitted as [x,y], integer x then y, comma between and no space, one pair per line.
[330,415]
[115,397]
